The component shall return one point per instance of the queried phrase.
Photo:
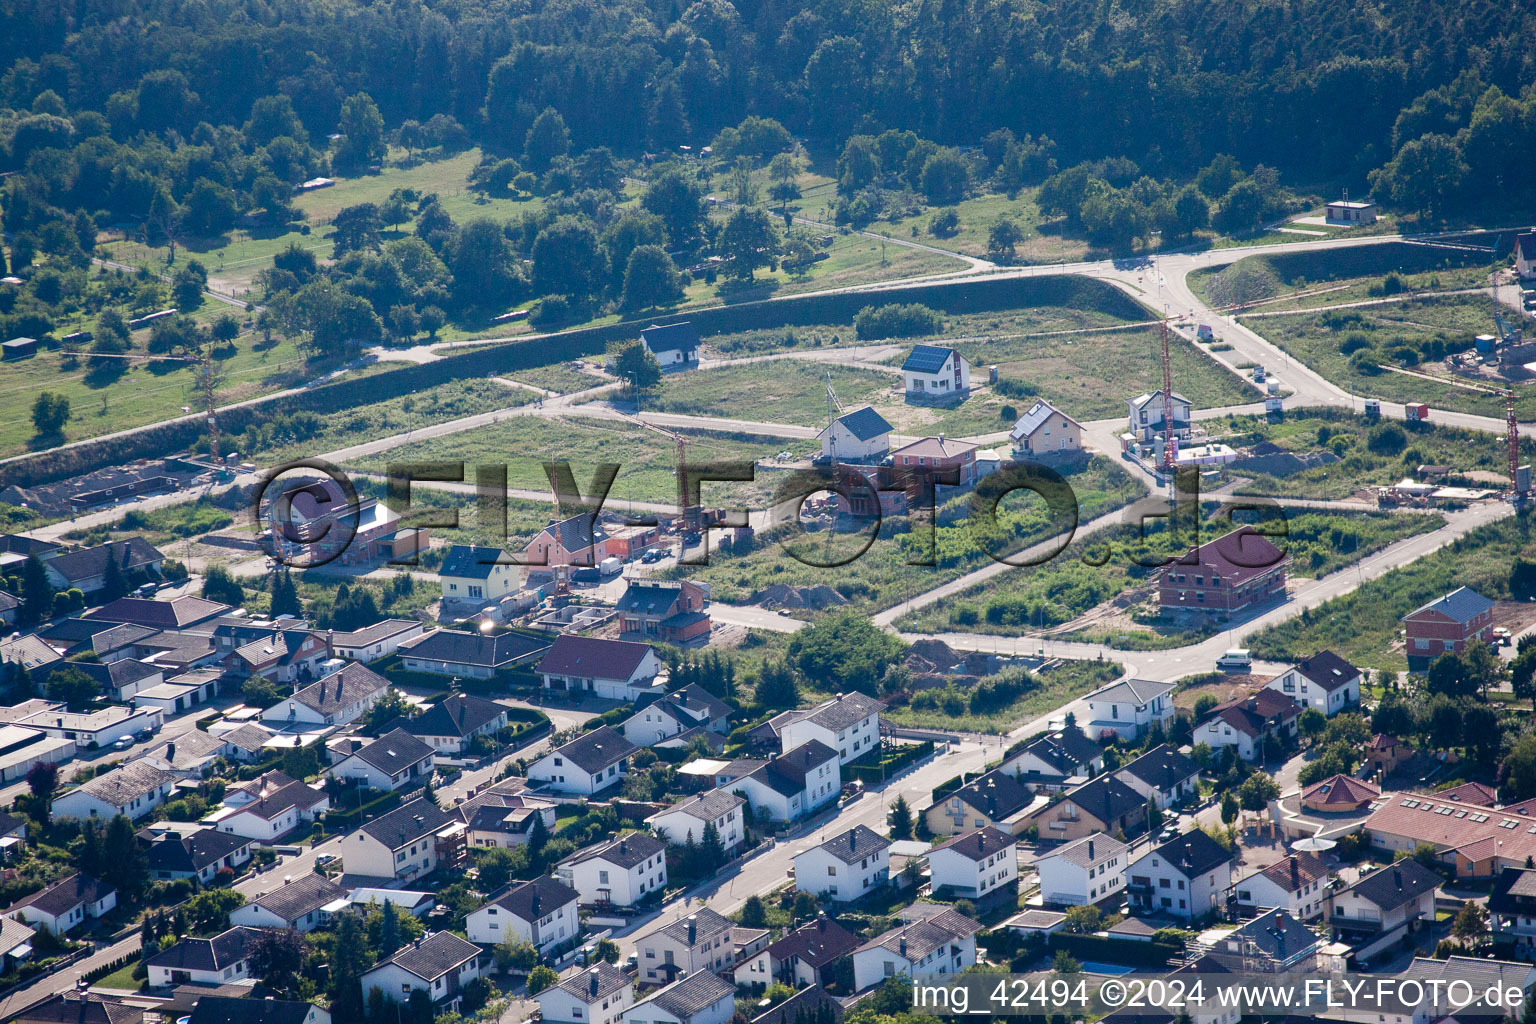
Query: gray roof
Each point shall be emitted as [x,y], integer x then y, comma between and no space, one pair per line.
[121,786]
[626,851]
[456,715]
[706,806]
[997,794]
[215,954]
[693,994]
[925,935]
[1193,853]
[865,424]
[305,894]
[816,944]
[283,798]
[1162,767]
[532,900]
[372,634]
[468,561]
[433,956]
[698,926]
[691,703]
[1327,670]
[194,852]
[926,358]
[1397,884]
[596,750]
[248,737]
[844,710]
[577,533]
[64,895]
[116,673]
[354,683]
[1034,418]
[1462,605]
[1066,751]
[609,979]
[855,844]
[1276,933]
[786,773]
[978,845]
[230,1010]
[678,337]
[407,823]
[1076,852]
[460,647]
[1107,798]
[1133,691]
[85,563]
[394,752]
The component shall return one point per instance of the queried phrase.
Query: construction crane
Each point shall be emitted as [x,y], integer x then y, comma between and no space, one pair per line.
[834,410]
[693,515]
[1170,439]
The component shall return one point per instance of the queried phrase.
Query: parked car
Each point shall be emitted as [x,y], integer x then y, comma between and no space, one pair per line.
[1501,636]
[124,743]
[586,574]
[1236,660]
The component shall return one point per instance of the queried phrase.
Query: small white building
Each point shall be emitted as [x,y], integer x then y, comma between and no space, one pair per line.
[931,371]
[612,669]
[598,995]
[697,999]
[439,964]
[277,811]
[675,719]
[846,867]
[65,905]
[379,640]
[295,903]
[1324,681]
[217,961]
[698,944]
[943,943]
[135,790]
[1187,877]
[393,761]
[975,864]
[591,762]
[1297,884]
[1145,414]
[1382,906]
[675,346]
[686,821]
[338,699]
[793,785]
[1350,213]
[1083,872]
[1129,708]
[619,871]
[848,723]
[97,729]
[541,912]
[477,575]
[862,435]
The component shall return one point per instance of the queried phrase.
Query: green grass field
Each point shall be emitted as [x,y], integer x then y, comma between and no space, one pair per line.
[1353,274]
[561,377]
[778,391]
[949,708]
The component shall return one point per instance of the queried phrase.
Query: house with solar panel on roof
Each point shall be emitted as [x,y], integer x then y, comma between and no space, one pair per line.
[1046,434]
[935,374]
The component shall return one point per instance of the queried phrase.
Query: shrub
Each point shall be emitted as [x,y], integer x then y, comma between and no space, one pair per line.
[896,320]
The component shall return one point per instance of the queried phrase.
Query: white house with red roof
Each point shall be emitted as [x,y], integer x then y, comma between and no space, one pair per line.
[1297,884]
[1244,722]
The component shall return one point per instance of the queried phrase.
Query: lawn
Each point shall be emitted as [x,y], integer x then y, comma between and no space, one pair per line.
[1368,455]
[162,526]
[1031,598]
[1389,335]
[951,707]
[646,459]
[778,391]
[882,576]
[122,978]
[562,377]
[1362,626]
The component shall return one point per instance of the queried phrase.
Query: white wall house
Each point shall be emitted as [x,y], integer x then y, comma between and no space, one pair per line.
[687,820]
[1162,774]
[845,867]
[338,699]
[598,995]
[379,640]
[793,785]
[135,790]
[1128,709]
[439,964]
[295,903]
[848,723]
[477,575]
[620,871]
[931,371]
[1297,884]
[857,436]
[1324,681]
[612,669]
[64,905]
[399,844]
[542,912]
[591,762]
[393,761]
[1187,877]
[698,999]
[1083,872]
[275,813]
[675,346]
[975,864]
[216,961]
[944,943]
[699,943]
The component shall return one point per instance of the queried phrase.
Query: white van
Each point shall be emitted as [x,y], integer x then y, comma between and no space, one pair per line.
[1236,660]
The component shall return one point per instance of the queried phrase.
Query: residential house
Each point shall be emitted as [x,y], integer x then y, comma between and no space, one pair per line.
[677,718]
[1343,793]
[277,810]
[1446,982]
[1128,709]
[619,871]
[396,760]
[848,723]
[1297,884]
[123,678]
[675,346]
[1246,722]
[976,865]
[793,785]
[1000,799]
[95,730]
[80,1008]
[808,955]
[451,726]
[1186,877]
[403,844]
[1103,805]
[579,540]
[504,819]
[699,943]
[65,905]
[477,576]
[1446,625]
[1512,909]
[298,903]
[1385,754]
[612,669]
[16,944]
[862,435]
[685,822]
[541,912]
[672,611]
[1233,574]
[85,569]
[287,656]
[339,699]
[592,762]
[1045,432]
[1055,757]
[379,640]
[1162,774]
[135,789]
[1525,255]
[598,995]
[235,1010]
[315,522]
[452,652]
[932,372]
[191,754]
[1324,681]
[807,1004]
[941,459]
[201,855]
[1275,942]
[846,867]
[1146,412]
[1083,872]
[216,961]
[943,943]
[439,964]
[1474,841]
[1384,907]
[700,998]
[178,613]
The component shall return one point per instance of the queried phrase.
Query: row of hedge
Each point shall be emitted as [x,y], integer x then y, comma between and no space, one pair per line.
[905,755]
[346,821]
[954,297]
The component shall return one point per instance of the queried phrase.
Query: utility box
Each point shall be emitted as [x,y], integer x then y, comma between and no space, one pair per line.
[991,375]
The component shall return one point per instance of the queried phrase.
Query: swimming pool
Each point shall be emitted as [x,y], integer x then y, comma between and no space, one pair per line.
[1094,967]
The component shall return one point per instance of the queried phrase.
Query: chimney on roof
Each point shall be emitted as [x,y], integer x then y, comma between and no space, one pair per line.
[853,840]
[1397,877]
[902,946]
[170,752]
[1090,849]
[592,977]
[1295,872]
[693,928]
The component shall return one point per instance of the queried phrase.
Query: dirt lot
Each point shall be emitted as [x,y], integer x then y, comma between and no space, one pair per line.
[1224,689]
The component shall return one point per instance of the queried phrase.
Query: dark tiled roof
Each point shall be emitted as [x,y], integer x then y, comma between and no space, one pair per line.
[1295,871]
[408,823]
[1513,892]
[177,613]
[292,900]
[1253,714]
[460,647]
[693,994]
[434,956]
[626,851]
[64,895]
[591,657]
[786,773]
[86,1010]
[855,844]
[706,806]
[609,979]
[596,750]
[925,935]
[1327,670]
[865,424]
[577,533]
[926,358]
[1132,691]
[1067,751]
[467,561]
[457,715]
[1396,884]
[225,1010]
[117,673]
[975,846]
[844,710]
[532,900]
[996,794]
[342,689]
[702,924]
[1276,933]
[394,752]
[372,634]
[650,597]
[691,703]
[808,1001]
[1236,557]
[817,944]
[1193,853]
[215,954]
[83,563]
[1107,799]
[681,337]
[278,801]
[194,852]
[1162,767]
[10,823]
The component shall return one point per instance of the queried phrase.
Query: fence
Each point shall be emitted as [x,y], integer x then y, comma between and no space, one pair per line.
[899,759]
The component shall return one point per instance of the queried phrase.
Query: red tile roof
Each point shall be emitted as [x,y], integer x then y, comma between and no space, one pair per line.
[1236,558]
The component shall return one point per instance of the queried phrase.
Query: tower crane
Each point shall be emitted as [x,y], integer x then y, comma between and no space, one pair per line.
[693,515]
